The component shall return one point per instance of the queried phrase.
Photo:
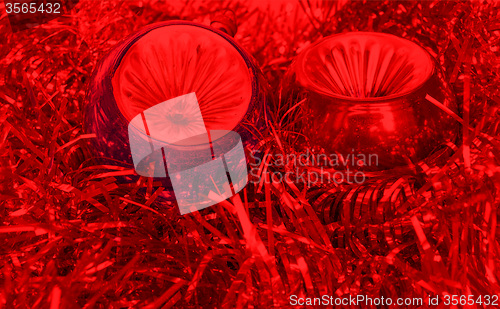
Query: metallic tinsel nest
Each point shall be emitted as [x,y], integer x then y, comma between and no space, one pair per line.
[73,236]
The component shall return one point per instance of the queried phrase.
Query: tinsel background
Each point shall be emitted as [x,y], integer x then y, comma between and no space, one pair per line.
[71,235]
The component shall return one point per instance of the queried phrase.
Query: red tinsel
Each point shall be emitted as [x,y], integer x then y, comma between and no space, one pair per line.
[73,236]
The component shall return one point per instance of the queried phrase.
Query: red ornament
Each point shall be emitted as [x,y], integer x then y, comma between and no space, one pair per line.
[373,94]
[168,60]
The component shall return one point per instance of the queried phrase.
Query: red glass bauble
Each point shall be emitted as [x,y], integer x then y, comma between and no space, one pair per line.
[167,60]
[370,94]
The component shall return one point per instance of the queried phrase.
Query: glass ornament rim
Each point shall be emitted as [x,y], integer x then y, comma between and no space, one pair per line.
[158,26]
[299,63]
